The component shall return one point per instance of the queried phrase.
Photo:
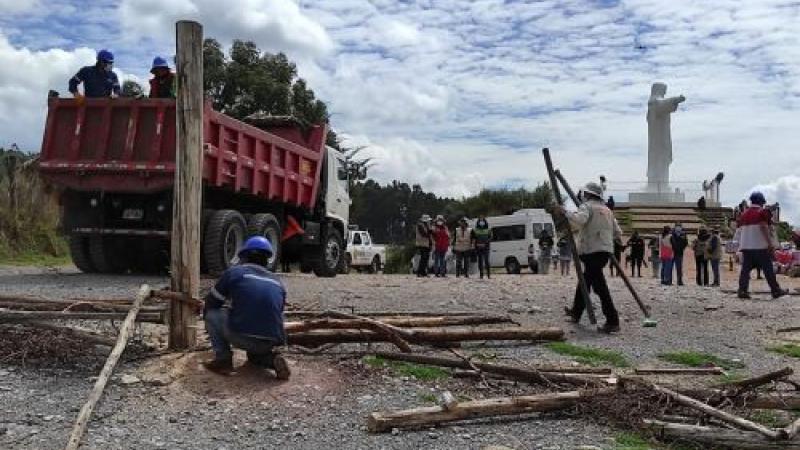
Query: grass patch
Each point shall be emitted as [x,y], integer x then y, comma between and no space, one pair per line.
[731,377]
[420,372]
[427,397]
[633,441]
[768,418]
[792,350]
[34,259]
[698,359]
[589,355]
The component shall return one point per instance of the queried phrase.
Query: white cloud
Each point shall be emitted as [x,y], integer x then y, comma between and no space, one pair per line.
[25,78]
[273,25]
[786,191]
[17,6]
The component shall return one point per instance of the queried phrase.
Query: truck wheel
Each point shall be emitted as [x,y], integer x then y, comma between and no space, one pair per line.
[375,265]
[512,266]
[330,253]
[79,251]
[224,235]
[267,225]
[103,256]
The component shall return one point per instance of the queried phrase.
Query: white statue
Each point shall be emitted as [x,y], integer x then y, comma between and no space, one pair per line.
[659,139]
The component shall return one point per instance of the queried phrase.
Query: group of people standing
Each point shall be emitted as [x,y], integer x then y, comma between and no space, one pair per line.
[706,247]
[465,241]
[99,80]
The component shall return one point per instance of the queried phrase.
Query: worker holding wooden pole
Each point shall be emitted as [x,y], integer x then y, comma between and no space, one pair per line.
[598,229]
[185,263]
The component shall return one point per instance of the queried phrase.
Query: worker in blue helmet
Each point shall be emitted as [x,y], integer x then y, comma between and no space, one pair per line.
[245,310]
[162,85]
[98,80]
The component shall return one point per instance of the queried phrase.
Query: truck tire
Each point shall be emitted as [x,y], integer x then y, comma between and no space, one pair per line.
[375,265]
[104,258]
[79,251]
[326,263]
[268,226]
[222,239]
[512,266]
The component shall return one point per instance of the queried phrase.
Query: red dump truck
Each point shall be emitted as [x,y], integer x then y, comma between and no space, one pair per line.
[114,160]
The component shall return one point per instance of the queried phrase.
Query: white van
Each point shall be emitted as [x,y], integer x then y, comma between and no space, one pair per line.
[514,234]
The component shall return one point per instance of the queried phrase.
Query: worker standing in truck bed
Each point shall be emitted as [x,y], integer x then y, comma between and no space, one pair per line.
[98,80]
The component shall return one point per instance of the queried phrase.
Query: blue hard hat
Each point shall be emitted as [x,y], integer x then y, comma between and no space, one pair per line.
[758,198]
[159,62]
[105,56]
[256,243]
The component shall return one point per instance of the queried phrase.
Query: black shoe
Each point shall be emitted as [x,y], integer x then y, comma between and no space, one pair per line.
[608,329]
[282,371]
[743,295]
[220,366]
[779,294]
[571,317]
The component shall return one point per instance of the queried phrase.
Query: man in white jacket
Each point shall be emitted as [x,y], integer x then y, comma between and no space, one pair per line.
[597,228]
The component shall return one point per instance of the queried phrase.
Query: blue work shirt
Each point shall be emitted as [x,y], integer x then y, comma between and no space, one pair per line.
[257,299]
[96,82]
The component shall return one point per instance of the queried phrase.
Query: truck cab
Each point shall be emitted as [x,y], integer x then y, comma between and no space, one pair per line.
[362,253]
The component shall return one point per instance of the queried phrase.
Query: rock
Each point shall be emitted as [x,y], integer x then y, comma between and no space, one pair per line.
[516,308]
[588,447]
[395,431]
[129,379]
[433,435]
[496,447]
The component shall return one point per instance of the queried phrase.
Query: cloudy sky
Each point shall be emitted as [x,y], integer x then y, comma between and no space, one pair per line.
[460,95]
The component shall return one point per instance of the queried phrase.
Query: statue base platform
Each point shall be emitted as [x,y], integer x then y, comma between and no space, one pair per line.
[656,198]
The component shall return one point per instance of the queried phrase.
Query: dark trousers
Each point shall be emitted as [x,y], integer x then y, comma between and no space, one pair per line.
[424,258]
[483,261]
[462,264]
[259,350]
[593,265]
[611,268]
[636,265]
[678,262]
[757,259]
[701,265]
[715,271]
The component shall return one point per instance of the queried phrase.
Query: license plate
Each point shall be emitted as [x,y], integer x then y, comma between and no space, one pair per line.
[133,214]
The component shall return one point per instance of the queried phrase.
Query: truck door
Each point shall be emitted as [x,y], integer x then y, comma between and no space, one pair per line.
[358,249]
[337,198]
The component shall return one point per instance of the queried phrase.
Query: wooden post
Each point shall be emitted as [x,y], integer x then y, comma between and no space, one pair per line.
[187,195]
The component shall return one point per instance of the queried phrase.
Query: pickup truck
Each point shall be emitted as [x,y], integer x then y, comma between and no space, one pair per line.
[361,253]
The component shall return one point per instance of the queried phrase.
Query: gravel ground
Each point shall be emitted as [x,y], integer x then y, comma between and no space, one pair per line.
[173,403]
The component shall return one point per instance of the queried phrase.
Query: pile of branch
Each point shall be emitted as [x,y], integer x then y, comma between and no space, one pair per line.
[335,327]
[713,418]
[16,309]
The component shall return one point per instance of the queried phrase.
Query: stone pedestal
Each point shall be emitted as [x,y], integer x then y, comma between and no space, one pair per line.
[656,198]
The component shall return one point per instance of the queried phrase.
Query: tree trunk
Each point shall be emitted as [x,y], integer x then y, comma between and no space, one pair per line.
[429,335]
[713,437]
[504,406]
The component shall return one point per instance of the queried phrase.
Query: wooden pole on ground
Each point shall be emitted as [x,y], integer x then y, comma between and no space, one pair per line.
[122,340]
[187,195]
[576,260]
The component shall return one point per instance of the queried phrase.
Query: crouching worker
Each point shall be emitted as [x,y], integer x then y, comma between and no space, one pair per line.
[245,310]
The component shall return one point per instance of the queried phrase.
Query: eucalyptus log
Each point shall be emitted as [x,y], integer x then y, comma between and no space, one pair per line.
[429,335]
[681,371]
[404,322]
[125,332]
[379,422]
[23,316]
[715,437]
[302,313]
[754,382]
[526,374]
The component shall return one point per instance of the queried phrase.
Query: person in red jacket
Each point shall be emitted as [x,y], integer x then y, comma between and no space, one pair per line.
[441,242]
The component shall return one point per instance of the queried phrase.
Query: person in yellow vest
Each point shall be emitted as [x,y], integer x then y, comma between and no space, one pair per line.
[462,247]
[423,244]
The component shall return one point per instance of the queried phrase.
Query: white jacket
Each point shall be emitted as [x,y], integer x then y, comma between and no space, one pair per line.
[596,225]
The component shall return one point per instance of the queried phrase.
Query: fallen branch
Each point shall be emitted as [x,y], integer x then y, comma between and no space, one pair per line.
[21,316]
[404,322]
[731,419]
[504,406]
[754,382]
[302,313]
[395,335]
[429,335]
[122,340]
[715,437]
[533,375]
[80,334]
[681,371]
[177,297]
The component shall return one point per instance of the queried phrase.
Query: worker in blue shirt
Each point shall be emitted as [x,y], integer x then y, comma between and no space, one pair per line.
[98,80]
[245,309]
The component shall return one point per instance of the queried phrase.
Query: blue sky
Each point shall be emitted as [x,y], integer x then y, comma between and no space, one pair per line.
[460,95]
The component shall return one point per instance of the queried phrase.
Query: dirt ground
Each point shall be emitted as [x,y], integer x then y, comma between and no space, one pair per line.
[171,402]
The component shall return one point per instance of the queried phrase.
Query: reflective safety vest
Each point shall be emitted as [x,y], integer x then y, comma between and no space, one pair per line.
[463,240]
[482,237]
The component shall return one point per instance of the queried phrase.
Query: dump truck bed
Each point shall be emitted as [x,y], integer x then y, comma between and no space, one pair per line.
[128,145]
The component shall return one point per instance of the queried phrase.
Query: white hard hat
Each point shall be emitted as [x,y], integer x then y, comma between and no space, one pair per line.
[594,189]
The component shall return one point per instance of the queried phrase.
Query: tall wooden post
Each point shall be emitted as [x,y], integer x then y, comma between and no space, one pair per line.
[188,182]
